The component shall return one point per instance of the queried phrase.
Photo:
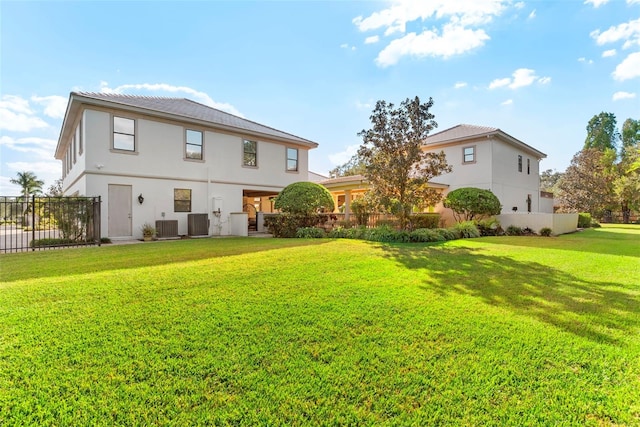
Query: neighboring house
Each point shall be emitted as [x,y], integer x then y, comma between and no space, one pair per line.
[482,157]
[166,159]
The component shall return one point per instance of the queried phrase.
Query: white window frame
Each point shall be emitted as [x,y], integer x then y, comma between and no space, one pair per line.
[473,154]
[113,135]
[244,153]
[187,143]
[297,159]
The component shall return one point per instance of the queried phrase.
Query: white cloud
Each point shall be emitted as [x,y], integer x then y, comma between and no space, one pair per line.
[585,60]
[519,5]
[54,106]
[596,3]
[343,157]
[42,148]
[507,102]
[460,85]
[629,32]
[455,30]
[520,78]
[371,40]
[608,53]
[364,105]
[499,83]
[633,1]
[164,87]
[17,116]
[532,15]
[454,40]
[347,46]
[623,95]
[629,68]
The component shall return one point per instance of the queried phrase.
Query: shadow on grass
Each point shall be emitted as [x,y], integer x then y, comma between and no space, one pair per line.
[600,241]
[599,311]
[56,263]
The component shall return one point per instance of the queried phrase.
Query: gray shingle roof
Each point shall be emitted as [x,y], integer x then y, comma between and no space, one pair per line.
[188,109]
[459,132]
[462,132]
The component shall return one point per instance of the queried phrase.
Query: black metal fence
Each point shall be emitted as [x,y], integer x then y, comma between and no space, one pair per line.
[38,223]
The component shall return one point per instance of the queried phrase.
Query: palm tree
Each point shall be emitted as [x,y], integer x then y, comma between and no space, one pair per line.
[30,184]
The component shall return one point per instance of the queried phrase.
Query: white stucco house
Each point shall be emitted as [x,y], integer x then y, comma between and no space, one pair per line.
[491,159]
[182,166]
[481,157]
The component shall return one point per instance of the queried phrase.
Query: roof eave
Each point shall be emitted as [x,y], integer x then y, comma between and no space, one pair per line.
[110,104]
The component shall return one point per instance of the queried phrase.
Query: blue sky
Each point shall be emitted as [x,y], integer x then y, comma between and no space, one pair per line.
[538,70]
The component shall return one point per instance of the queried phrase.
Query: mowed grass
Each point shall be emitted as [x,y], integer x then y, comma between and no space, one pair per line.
[491,331]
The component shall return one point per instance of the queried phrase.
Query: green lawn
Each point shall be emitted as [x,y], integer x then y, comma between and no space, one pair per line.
[491,331]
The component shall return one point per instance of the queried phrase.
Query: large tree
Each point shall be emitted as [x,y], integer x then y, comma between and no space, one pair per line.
[549,180]
[396,166]
[354,166]
[627,183]
[588,183]
[630,137]
[28,182]
[602,133]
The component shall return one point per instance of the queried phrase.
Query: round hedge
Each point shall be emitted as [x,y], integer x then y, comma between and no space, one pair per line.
[304,198]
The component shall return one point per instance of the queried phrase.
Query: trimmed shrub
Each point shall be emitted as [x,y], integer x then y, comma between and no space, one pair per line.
[286,225]
[489,227]
[385,234]
[546,232]
[310,233]
[467,229]
[304,198]
[39,243]
[426,235]
[447,233]
[596,224]
[584,220]
[424,220]
[360,209]
[468,203]
[514,230]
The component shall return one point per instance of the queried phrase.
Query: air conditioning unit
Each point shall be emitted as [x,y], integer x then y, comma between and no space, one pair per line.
[198,224]
[167,228]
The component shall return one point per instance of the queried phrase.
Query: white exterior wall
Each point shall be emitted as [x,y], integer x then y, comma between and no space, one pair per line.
[558,223]
[511,186]
[496,169]
[158,166]
[477,174]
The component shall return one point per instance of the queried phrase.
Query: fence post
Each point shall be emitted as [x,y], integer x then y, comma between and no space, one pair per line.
[33,220]
[96,219]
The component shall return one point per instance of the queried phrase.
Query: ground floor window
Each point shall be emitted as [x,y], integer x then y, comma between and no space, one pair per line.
[181,200]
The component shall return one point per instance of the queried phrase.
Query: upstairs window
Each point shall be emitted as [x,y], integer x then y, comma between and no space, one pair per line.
[292,159]
[124,136]
[469,154]
[519,163]
[250,153]
[528,166]
[193,144]
[79,137]
[181,200]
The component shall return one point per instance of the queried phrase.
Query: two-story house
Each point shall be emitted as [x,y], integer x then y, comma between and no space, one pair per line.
[491,159]
[173,160]
[481,157]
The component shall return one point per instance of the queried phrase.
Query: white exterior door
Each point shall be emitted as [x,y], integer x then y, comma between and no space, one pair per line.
[119,210]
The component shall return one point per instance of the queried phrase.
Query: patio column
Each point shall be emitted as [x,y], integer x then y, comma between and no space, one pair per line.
[347,203]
